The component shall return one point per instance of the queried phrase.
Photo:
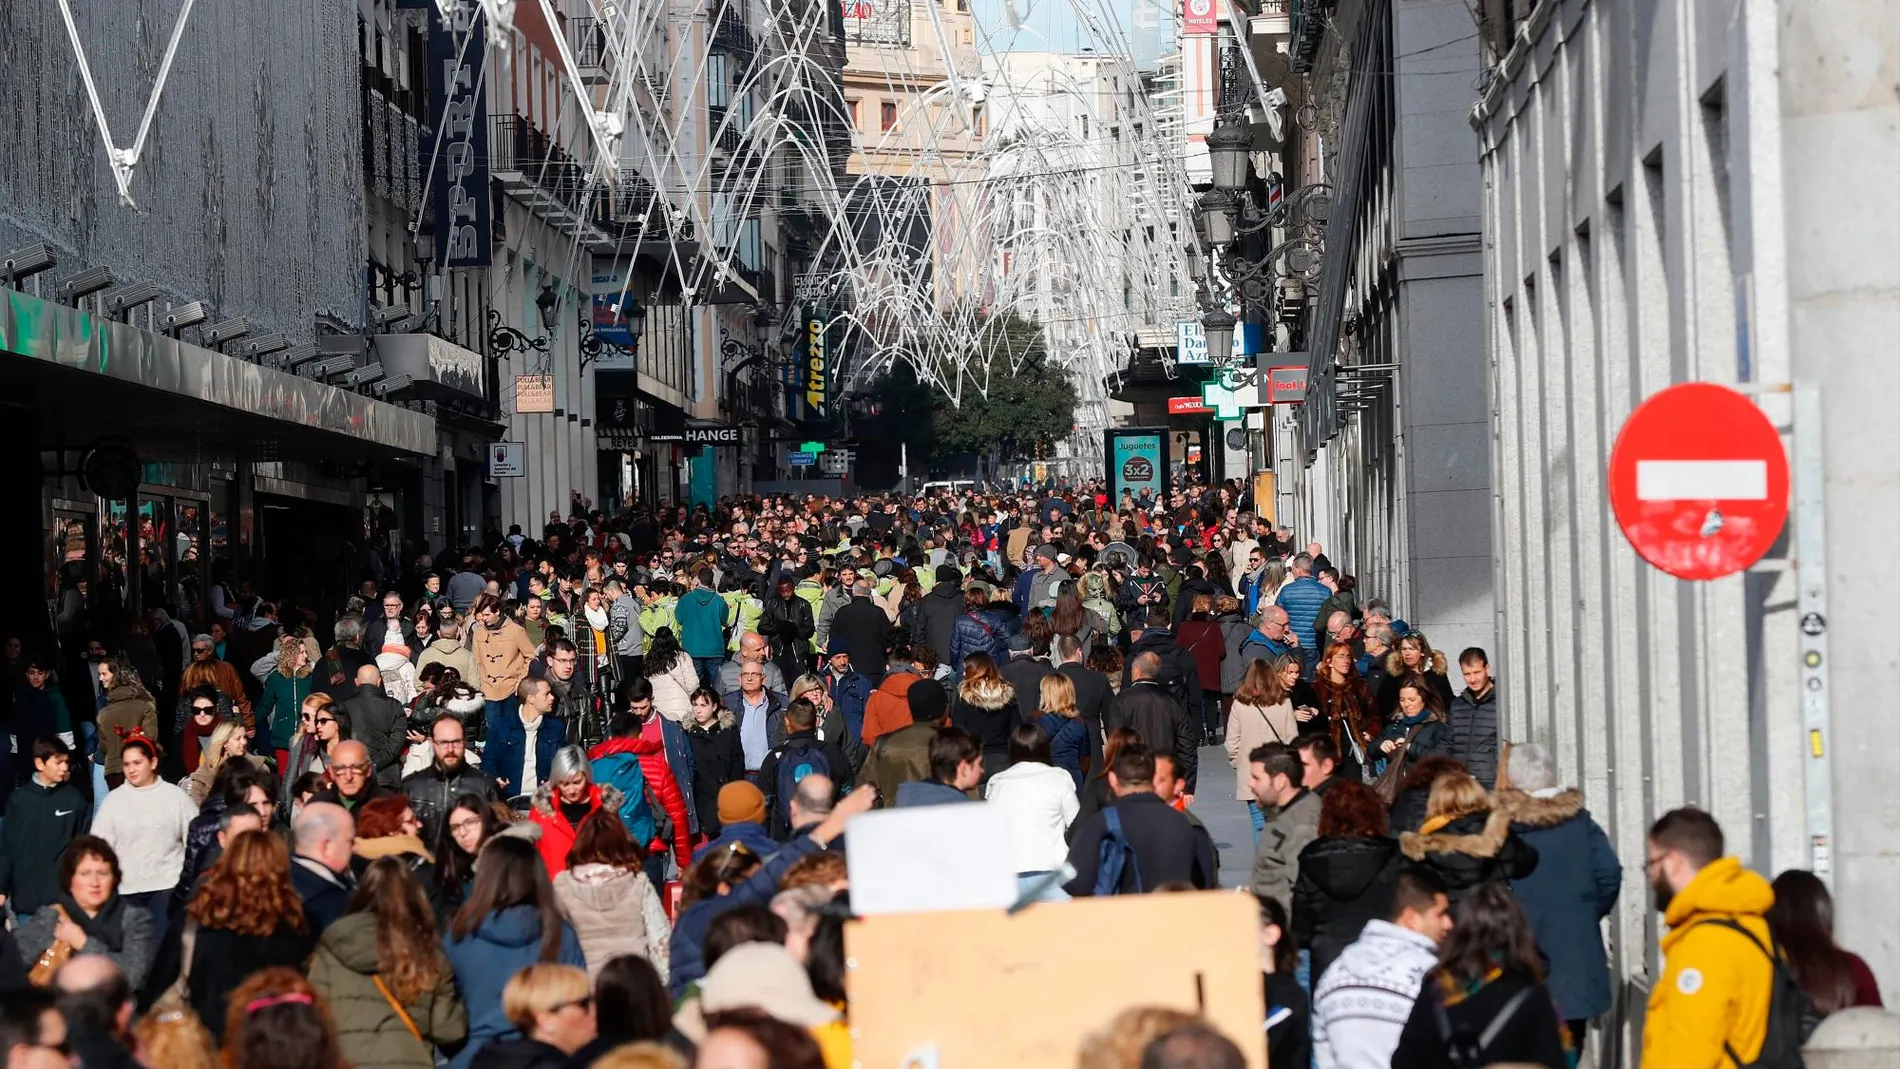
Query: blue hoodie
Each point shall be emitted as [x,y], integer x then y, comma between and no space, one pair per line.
[508,941]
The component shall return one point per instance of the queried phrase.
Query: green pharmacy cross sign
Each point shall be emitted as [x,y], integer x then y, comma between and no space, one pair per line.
[1224,400]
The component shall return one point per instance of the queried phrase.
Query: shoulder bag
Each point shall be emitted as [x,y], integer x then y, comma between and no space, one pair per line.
[389,996]
[1388,782]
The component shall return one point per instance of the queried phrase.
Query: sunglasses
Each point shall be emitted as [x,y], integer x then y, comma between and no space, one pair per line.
[201,649]
[206,710]
[354,769]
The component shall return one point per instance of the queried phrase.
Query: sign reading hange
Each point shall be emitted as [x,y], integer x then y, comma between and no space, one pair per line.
[711,434]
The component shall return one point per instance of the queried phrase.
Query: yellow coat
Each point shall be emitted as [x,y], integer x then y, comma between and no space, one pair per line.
[834,1044]
[1715,983]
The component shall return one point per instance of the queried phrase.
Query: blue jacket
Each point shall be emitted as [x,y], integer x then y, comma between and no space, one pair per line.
[1301,599]
[849,693]
[702,619]
[927,792]
[1020,592]
[1068,741]
[503,759]
[1256,647]
[689,932]
[323,900]
[508,941]
[977,633]
[1567,895]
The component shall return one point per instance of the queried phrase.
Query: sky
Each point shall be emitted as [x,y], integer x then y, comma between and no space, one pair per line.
[1144,26]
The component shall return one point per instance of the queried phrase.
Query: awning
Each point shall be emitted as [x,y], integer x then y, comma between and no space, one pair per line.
[218,399]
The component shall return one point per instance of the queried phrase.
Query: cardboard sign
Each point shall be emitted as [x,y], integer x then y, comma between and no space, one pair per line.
[930,857]
[984,989]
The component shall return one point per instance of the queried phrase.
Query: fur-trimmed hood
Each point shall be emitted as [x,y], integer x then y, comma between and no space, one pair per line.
[1540,812]
[464,701]
[1395,664]
[725,719]
[608,797]
[985,694]
[1479,834]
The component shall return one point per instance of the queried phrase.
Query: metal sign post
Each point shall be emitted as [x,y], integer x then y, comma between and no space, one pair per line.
[1810,570]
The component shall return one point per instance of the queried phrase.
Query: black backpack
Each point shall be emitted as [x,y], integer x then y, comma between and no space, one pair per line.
[1791,1016]
[1464,1048]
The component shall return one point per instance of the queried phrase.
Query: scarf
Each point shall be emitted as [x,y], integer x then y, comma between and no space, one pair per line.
[194,733]
[596,618]
[108,927]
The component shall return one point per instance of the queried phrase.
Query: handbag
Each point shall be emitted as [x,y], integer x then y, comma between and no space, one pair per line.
[175,1003]
[50,960]
[407,1021]
[1388,782]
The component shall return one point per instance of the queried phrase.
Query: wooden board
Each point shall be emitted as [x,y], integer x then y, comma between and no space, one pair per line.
[991,990]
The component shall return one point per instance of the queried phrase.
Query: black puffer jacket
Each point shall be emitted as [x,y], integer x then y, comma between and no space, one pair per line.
[1473,849]
[1344,882]
[201,849]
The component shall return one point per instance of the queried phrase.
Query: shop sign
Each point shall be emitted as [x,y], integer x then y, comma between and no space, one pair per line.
[534,393]
[718,435]
[507,460]
[455,147]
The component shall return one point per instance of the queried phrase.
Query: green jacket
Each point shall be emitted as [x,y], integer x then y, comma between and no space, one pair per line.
[898,758]
[655,616]
[745,609]
[814,594]
[281,705]
[372,1035]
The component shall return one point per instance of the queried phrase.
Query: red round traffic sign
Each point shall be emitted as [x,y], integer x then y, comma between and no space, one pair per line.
[1699,481]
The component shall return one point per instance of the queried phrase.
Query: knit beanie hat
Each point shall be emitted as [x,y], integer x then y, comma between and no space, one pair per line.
[927,701]
[739,801]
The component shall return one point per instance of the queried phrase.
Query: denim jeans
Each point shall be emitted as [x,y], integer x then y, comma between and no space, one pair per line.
[156,903]
[708,669]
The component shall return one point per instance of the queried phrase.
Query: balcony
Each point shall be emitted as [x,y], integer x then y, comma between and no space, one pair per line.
[1308,26]
[536,171]
[730,33]
[722,135]
[592,61]
[628,215]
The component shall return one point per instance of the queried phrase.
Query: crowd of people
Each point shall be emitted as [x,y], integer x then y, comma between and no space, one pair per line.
[579,800]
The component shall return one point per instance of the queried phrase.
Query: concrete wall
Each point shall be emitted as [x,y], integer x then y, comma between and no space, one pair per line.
[249,193]
[1660,208]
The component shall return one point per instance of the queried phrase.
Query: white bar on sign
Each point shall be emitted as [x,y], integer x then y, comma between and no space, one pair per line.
[1701,480]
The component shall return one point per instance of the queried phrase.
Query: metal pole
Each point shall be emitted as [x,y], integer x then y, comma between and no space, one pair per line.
[1810,554]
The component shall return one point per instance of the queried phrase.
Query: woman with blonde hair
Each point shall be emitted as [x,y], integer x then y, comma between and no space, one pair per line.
[1465,841]
[985,705]
[1062,722]
[227,742]
[286,689]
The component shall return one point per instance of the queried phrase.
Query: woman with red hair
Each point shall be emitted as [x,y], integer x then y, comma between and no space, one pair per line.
[1347,706]
[1346,874]
[245,917]
[388,827]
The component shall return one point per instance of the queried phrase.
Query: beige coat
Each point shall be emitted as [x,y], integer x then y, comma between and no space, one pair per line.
[450,653]
[501,659]
[614,912]
[1249,726]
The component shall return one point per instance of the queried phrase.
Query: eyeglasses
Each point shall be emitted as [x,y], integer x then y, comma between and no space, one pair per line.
[585,1002]
[355,770]
[201,649]
[206,710]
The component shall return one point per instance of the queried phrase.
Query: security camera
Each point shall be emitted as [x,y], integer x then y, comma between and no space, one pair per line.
[23,263]
[84,284]
[181,316]
[123,300]
[229,330]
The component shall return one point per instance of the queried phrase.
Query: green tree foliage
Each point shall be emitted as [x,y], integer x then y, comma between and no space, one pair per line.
[1034,405]
[1031,406]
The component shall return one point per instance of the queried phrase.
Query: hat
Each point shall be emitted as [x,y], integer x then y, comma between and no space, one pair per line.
[763,976]
[739,801]
[927,700]
[947,574]
[1048,552]
[839,644]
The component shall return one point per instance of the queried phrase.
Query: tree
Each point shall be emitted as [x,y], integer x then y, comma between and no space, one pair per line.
[1029,406]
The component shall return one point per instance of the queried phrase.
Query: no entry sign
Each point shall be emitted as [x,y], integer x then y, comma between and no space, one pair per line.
[1699,481]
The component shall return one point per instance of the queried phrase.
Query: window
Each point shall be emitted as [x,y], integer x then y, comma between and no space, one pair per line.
[854,115]
[887,116]
[976,118]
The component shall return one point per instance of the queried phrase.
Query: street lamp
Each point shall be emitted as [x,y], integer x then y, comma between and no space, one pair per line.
[1221,214]
[1227,148]
[1218,326]
[506,339]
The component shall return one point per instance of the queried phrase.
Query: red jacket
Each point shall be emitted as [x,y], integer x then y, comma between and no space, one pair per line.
[1202,639]
[651,751]
[557,835]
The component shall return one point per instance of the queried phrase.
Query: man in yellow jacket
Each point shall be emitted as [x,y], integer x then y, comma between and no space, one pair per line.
[1710,1006]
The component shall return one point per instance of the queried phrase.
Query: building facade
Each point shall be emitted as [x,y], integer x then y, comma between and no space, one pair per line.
[1699,193]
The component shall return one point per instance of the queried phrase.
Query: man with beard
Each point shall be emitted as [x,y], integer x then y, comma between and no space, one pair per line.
[1711,1004]
[571,695]
[432,791]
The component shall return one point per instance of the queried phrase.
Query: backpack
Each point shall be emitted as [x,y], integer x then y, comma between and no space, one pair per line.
[1463,1049]
[1791,1016]
[1114,856]
[795,765]
[637,806]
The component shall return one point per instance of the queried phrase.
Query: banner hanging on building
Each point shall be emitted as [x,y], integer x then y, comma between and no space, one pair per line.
[455,146]
[808,390]
[1198,17]
[534,393]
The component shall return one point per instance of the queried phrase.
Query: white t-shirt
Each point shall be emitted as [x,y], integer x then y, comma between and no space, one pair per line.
[530,779]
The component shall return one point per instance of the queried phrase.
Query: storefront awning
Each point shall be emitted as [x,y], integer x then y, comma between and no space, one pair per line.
[216,397]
